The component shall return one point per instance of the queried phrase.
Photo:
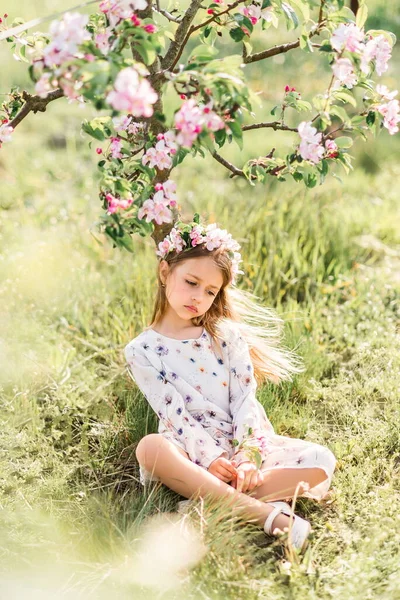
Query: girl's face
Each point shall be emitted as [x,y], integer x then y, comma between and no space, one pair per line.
[194,283]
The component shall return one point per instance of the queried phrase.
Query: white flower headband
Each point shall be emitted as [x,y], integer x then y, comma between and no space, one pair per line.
[184,236]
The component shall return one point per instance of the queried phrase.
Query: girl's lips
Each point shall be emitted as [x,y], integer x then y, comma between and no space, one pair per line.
[191,308]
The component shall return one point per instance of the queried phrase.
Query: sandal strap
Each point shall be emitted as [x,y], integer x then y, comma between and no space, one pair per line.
[269,520]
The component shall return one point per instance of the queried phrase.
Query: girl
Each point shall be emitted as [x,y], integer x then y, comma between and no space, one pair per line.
[198,364]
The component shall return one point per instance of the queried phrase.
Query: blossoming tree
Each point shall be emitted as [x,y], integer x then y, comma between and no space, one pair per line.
[128,54]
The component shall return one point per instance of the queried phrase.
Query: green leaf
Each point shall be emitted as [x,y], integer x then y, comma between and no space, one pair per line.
[371,116]
[297,176]
[303,8]
[96,127]
[344,142]
[345,97]
[220,137]
[203,53]
[291,17]
[237,34]
[311,180]
[126,241]
[362,15]
[339,111]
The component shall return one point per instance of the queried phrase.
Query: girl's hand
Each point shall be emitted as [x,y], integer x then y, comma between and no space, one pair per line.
[223,469]
[248,477]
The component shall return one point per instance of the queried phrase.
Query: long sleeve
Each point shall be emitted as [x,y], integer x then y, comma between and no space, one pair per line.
[250,423]
[151,376]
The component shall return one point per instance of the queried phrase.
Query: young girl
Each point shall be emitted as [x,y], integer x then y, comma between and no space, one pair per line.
[198,364]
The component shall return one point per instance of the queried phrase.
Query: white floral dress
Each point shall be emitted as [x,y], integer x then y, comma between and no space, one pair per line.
[204,401]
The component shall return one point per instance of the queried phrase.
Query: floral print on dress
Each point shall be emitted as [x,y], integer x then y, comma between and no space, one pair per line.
[206,405]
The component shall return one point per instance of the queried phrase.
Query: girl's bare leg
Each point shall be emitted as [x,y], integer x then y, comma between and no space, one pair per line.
[158,455]
[281,484]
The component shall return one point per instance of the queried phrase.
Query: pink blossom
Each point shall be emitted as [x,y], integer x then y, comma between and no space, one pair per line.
[331,149]
[116,10]
[132,94]
[164,247]
[115,147]
[114,204]
[169,188]
[391,114]
[190,120]
[170,141]
[268,14]
[197,236]
[102,43]
[158,157]
[344,72]
[310,147]
[71,87]
[43,86]
[5,133]
[378,49]
[121,123]
[348,37]
[252,12]
[99,151]
[177,240]
[155,211]
[66,35]
[150,28]
[384,91]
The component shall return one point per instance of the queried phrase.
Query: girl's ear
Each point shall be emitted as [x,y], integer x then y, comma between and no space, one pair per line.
[164,270]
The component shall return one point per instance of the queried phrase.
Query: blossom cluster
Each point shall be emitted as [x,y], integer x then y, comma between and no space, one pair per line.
[160,155]
[347,36]
[311,147]
[117,10]
[114,203]
[192,118]
[133,93]
[66,37]
[158,207]
[255,13]
[389,110]
[5,132]
[211,236]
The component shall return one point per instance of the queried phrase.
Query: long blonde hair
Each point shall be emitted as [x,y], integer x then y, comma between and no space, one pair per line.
[260,326]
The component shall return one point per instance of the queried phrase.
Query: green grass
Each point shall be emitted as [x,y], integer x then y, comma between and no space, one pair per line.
[73,514]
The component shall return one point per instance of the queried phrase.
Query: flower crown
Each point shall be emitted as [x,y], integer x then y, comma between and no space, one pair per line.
[184,236]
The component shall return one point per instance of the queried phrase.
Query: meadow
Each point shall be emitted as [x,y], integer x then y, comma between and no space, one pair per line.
[74,520]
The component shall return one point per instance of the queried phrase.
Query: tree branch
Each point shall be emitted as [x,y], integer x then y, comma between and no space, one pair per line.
[167,15]
[34,104]
[176,47]
[272,124]
[280,49]
[227,164]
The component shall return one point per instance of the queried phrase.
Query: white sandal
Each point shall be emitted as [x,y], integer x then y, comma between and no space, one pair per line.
[300,529]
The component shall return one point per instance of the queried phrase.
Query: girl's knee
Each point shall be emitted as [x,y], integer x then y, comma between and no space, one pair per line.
[146,449]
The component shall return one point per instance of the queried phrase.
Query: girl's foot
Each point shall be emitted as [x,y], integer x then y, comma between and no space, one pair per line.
[279,518]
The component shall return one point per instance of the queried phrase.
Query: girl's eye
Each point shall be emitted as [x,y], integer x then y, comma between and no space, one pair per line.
[193,283]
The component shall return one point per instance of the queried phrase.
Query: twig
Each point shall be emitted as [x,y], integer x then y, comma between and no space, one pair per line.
[166,14]
[280,49]
[13,31]
[34,104]
[211,19]
[227,164]
[272,124]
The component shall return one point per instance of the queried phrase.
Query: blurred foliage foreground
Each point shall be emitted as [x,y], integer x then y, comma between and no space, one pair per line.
[75,522]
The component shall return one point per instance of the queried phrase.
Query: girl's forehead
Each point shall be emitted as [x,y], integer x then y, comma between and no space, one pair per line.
[203,268]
